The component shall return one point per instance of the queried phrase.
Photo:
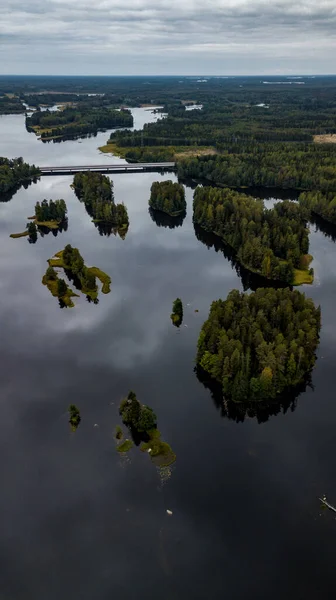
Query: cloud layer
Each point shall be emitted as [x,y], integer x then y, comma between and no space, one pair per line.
[114,37]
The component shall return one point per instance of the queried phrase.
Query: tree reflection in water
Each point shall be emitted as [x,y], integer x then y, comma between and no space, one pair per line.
[163,220]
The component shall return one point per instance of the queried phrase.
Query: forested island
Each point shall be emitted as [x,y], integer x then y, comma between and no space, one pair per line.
[271,242]
[177,313]
[14,173]
[84,278]
[168,197]
[96,191]
[48,215]
[257,345]
[74,417]
[76,121]
[142,422]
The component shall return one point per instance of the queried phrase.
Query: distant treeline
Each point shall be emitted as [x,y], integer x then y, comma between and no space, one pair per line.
[168,197]
[76,121]
[10,105]
[96,191]
[14,173]
[299,166]
[269,242]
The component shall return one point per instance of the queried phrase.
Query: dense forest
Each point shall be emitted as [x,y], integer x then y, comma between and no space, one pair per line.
[52,211]
[11,105]
[272,242]
[96,191]
[135,415]
[257,345]
[76,121]
[168,197]
[321,204]
[299,166]
[14,173]
[177,313]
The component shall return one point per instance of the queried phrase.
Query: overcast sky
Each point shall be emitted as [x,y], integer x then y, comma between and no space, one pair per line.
[154,37]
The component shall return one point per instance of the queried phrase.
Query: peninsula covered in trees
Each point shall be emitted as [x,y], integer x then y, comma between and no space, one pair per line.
[96,191]
[257,345]
[76,121]
[142,422]
[14,173]
[321,204]
[271,242]
[168,197]
[83,277]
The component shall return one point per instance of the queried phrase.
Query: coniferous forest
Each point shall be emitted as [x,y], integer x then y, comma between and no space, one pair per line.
[52,211]
[272,242]
[168,197]
[96,191]
[257,345]
[14,173]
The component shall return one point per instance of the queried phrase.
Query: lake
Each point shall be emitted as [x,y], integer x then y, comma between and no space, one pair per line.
[78,519]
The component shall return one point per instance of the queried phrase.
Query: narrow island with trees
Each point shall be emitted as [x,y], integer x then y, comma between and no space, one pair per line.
[74,122]
[48,215]
[96,191]
[168,197]
[258,345]
[273,242]
[83,277]
[177,313]
[142,423]
[74,417]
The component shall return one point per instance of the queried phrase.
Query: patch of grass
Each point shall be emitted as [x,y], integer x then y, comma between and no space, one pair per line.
[52,286]
[175,152]
[304,274]
[160,452]
[125,446]
[49,224]
[18,235]
[103,278]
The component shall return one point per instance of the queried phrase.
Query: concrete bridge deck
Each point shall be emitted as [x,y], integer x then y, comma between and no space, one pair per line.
[113,168]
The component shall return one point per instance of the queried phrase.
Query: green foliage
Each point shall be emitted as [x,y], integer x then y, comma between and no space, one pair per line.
[299,166]
[50,274]
[61,288]
[74,416]
[177,314]
[125,446]
[322,204]
[52,211]
[137,416]
[14,173]
[270,242]
[118,433]
[168,197]
[256,345]
[96,191]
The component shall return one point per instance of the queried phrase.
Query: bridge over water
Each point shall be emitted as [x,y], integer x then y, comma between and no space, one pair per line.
[113,168]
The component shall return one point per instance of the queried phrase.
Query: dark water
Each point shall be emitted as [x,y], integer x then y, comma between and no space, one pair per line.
[80,521]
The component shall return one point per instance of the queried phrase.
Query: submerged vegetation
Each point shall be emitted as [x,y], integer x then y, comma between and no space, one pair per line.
[177,314]
[141,421]
[96,191]
[168,197]
[83,277]
[271,242]
[74,417]
[257,345]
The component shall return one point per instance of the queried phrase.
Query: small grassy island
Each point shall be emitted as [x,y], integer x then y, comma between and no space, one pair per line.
[13,174]
[272,242]
[75,122]
[74,416]
[96,191]
[177,314]
[260,344]
[48,215]
[168,197]
[84,278]
[141,420]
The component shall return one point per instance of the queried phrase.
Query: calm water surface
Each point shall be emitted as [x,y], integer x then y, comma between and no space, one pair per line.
[80,521]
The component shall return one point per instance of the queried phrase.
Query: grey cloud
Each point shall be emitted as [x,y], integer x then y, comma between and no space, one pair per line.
[228,36]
